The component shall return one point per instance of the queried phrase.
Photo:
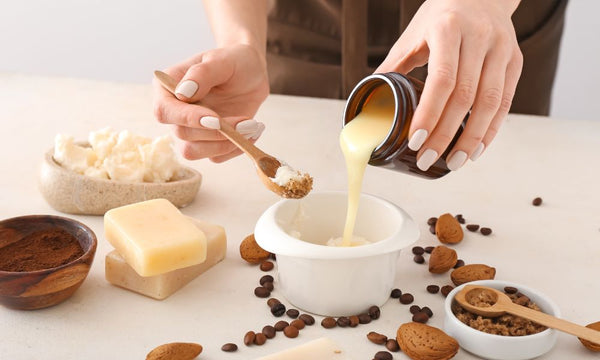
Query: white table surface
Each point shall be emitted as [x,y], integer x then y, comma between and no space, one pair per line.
[554,248]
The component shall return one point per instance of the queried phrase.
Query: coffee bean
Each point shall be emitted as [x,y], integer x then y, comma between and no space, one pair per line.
[418,250]
[308,319]
[278,309]
[459,263]
[537,201]
[420,317]
[433,289]
[383,355]
[432,229]
[269,286]
[354,321]
[419,259]
[406,298]
[485,231]
[249,338]
[392,345]
[472,227]
[446,289]
[229,347]
[377,338]
[280,325]
[293,313]
[510,290]
[522,300]
[291,331]
[396,293]
[364,318]
[266,278]
[427,311]
[269,331]
[328,323]
[260,339]
[273,257]
[298,324]
[431,221]
[460,218]
[343,321]
[272,301]
[374,312]
[267,265]
[414,309]
[262,292]
[429,249]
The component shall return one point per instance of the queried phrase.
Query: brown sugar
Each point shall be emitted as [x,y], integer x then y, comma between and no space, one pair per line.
[40,250]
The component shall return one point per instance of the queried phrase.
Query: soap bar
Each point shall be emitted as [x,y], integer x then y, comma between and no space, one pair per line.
[154,237]
[119,273]
[322,349]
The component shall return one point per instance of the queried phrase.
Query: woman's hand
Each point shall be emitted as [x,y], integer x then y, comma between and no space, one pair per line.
[474,62]
[226,84]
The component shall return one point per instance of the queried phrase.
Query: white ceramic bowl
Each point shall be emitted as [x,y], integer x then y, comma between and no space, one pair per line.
[335,281]
[498,347]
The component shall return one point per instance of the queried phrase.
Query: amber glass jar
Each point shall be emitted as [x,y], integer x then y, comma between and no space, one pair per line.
[393,153]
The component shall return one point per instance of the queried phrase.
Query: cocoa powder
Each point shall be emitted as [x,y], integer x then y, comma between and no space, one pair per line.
[40,250]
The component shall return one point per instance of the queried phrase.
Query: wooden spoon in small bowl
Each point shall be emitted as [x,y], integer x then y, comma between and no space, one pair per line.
[296,187]
[467,298]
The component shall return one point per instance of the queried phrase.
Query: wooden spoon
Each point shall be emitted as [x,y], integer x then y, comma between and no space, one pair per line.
[503,304]
[266,165]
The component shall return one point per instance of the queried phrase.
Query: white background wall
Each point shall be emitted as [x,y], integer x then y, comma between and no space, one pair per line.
[125,40]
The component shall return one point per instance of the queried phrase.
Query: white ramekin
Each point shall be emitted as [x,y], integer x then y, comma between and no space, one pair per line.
[335,281]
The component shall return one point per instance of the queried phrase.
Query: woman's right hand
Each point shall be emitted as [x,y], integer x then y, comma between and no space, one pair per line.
[227,84]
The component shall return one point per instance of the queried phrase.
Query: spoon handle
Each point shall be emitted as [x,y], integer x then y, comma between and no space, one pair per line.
[554,322]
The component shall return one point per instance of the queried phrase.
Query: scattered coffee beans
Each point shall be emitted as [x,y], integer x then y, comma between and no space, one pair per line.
[269,286]
[420,317]
[308,319]
[262,292]
[273,257]
[431,221]
[328,323]
[406,298]
[272,302]
[460,218]
[510,290]
[429,249]
[364,318]
[392,345]
[537,201]
[396,293]
[280,325]
[249,338]
[291,331]
[414,309]
[260,339]
[354,321]
[459,263]
[293,313]
[427,311]
[446,289]
[418,250]
[269,331]
[266,278]
[267,265]
[472,227]
[278,309]
[374,312]
[343,321]
[433,289]
[383,355]
[419,259]
[485,231]
[432,229]
[229,347]
[377,338]
[298,324]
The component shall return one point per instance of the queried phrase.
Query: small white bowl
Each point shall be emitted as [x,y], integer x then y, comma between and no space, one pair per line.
[72,193]
[335,281]
[498,347]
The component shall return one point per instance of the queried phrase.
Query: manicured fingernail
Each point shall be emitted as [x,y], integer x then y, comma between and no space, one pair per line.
[247,126]
[417,140]
[427,159]
[478,151]
[187,88]
[259,131]
[456,160]
[210,122]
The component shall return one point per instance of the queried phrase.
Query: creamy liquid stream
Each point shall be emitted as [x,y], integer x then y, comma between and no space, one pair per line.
[358,139]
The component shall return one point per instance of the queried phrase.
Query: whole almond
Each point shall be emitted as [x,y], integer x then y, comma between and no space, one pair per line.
[175,351]
[442,259]
[472,272]
[588,344]
[448,229]
[423,342]
[252,252]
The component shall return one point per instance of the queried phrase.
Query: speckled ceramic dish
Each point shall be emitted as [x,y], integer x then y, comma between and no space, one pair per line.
[72,193]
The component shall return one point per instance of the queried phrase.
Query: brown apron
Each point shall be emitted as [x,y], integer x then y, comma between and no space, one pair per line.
[322,48]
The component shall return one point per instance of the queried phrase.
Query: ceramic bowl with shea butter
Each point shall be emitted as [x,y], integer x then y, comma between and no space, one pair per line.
[43,260]
[73,193]
[500,347]
[331,280]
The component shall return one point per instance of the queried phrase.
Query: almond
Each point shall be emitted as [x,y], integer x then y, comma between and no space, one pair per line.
[472,272]
[588,344]
[448,229]
[423,342]
[442,259]
[252,252]
[175,351]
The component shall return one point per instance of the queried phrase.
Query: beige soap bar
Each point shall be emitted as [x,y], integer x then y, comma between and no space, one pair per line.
[154,237]
[119,273]
[321,349]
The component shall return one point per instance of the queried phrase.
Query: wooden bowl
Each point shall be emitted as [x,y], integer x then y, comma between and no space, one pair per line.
[73,193]
[28,290]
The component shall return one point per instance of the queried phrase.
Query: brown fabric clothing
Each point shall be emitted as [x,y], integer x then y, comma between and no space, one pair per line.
[322,48]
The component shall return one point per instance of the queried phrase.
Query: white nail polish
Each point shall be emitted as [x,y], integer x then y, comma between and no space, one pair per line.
[456,160]
[478,151]
[187,88]
[427,159]
[417,140]
[247,126]
[259,131]
[210,122]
